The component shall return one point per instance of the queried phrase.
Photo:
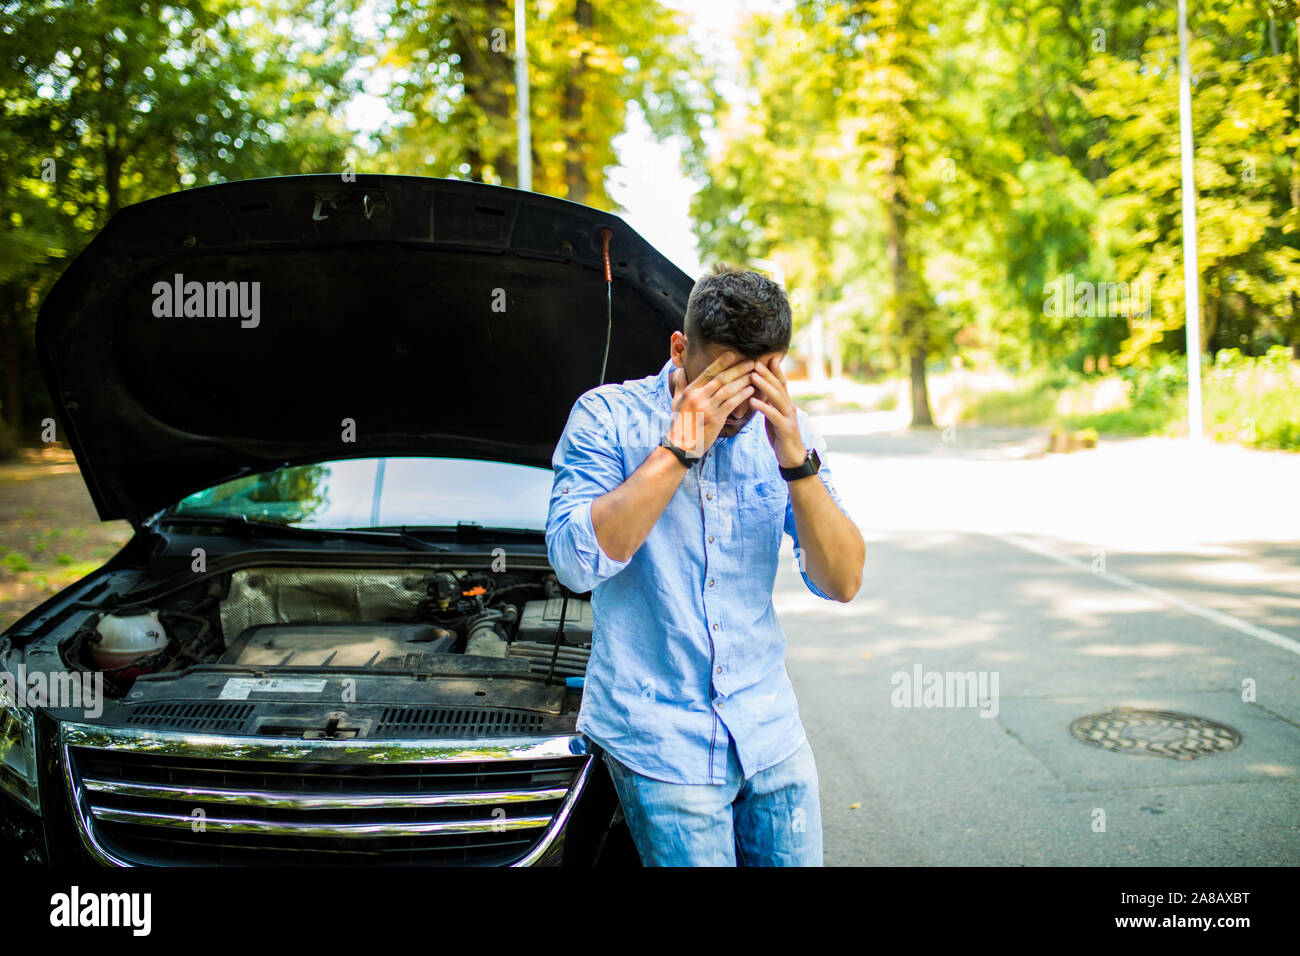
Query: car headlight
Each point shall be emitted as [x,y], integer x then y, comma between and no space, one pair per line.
[17,747]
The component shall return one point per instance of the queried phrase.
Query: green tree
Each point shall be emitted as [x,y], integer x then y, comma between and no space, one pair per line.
[588,61]
[109,102]
[1246,137]
[839,164]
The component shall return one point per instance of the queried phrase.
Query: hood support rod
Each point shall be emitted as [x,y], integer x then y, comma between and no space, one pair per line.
[559,632]
[605,235]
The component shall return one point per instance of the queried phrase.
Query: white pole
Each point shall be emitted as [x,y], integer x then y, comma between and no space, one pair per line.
[524,156]
[1191,269]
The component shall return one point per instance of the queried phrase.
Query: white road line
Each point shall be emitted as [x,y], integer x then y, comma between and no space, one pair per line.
[1210,614]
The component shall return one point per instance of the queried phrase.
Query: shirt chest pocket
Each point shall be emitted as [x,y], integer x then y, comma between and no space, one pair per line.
[762,507]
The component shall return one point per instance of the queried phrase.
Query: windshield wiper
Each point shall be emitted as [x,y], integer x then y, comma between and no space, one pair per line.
[241,525]
[467,529]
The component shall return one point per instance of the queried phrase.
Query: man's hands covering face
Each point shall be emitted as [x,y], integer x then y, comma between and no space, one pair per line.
[773,400]
[700,409]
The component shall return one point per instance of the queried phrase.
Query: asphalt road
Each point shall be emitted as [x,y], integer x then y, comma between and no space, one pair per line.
[1145,574]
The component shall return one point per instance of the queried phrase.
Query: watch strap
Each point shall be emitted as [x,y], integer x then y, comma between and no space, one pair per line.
[811,465]
[681,454]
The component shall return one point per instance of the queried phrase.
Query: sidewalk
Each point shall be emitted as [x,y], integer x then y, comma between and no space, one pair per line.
[845,407]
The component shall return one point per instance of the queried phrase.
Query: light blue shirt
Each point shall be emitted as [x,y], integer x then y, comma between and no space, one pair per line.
[687,647]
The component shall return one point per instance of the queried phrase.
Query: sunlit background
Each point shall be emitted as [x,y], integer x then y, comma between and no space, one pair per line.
[976,208]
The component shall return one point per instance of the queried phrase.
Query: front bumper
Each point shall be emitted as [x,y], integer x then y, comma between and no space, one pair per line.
[123,797]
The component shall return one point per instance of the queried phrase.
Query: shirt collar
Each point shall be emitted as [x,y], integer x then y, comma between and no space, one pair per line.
[662,386]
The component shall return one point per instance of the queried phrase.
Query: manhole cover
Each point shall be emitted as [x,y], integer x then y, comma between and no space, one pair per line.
[1156,732]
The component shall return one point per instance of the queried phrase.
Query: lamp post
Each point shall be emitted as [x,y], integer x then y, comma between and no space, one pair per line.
[524,155]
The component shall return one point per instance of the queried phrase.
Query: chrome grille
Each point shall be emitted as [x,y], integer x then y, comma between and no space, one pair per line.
[170,798]
[455,721]
[204,717]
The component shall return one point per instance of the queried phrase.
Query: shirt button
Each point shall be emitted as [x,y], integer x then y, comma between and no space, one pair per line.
[710,582]
[715,627]
[708,495]
[720,703]
[718,670]
[710,539]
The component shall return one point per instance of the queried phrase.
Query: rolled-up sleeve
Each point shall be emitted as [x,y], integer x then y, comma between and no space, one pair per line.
[812,439]
[588,463]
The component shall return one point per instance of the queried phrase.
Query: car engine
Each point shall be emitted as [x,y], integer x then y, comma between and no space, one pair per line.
[310,617]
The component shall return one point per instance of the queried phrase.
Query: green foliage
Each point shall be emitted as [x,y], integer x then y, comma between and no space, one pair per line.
[920,173]
[589,61]
[1155,387]
[1139,420]
[1022,143]
[1154,400]
[103,104]
[1255,401]
[1248,400]
[1032,402]
[887,402]
[836,170]
[15,562]
[1246,136]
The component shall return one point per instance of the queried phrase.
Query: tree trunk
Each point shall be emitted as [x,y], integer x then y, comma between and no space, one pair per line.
[1210,313]
[500,100]
[11,309]
[112,173]
[920,389]
[575,168]
[483,80]
[910,310]
[113,157]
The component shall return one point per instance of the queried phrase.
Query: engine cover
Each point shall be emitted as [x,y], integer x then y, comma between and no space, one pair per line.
[541,619]
[335,645]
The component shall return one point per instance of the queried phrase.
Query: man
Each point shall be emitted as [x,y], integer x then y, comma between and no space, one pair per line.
[670,499]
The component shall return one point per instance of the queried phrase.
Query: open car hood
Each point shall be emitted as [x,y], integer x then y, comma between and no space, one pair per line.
[392,315]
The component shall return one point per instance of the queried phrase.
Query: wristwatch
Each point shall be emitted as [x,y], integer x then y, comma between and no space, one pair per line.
[812,464]
[686,459]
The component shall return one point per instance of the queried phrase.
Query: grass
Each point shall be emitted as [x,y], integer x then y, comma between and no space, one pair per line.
[50,535]
[16,562]
[887,402]
[1126,421]
[1255,402]
[1250,401]
[1033,403]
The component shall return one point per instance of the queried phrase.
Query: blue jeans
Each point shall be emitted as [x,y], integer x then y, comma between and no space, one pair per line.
[772,819]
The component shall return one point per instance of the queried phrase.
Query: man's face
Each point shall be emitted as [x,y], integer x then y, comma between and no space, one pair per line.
[694,358]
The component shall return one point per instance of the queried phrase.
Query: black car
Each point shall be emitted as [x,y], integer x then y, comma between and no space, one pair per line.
[327,405]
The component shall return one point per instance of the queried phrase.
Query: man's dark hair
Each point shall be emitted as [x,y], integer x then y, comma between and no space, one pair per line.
[744,310]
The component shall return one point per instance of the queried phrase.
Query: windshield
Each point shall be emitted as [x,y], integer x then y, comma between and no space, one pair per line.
[383,492]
